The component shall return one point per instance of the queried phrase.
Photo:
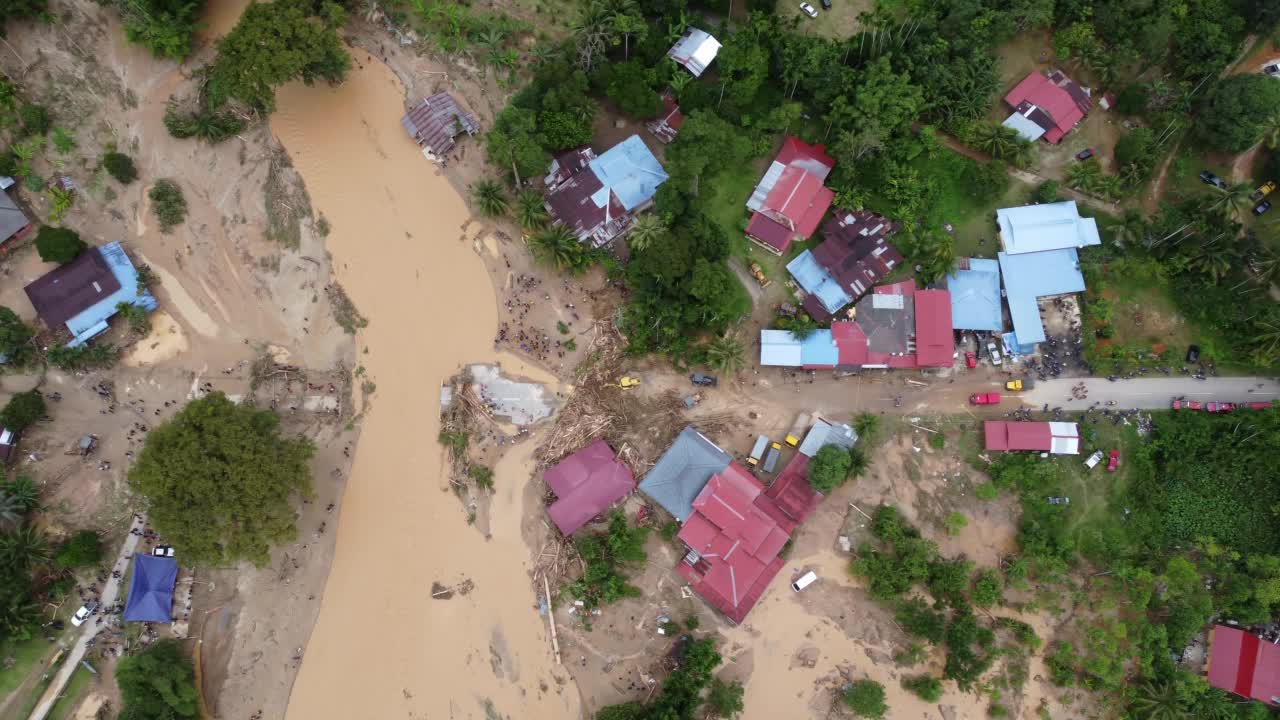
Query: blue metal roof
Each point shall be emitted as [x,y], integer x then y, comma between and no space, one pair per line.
[682,471]
[782,348]
[92,320]
[630,171]
[818,282]
[819,349]
[1034,275]
[975,296]
[151,589]
[1049,226]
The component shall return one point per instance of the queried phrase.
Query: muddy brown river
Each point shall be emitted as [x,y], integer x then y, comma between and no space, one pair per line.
[382,648]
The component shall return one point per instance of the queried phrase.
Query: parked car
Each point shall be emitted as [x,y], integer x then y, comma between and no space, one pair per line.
[1114,461]
[994,353]
[1092,461]
[771,459]
[808,10]
[804,580]
[826,4]
[702,380]
[1059,500]
[984,399]
[1020,384]
[970,360]
[1262,207]
[757,450]
[83,613]
[1259,405]
[1084,154]
[1273,70]
[1193,353]
[1209,178]
[1192,405]
[1263,190]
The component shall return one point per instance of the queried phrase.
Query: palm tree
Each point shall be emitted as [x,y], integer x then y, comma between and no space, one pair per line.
[1022,151]
[1214,262]
[726,353]
[644,231]
[543,53]
[24,491]
[1084,175]
[531,213]
[1266,265]
[1233,201]
[1159,702]
[11,511]
[1130,229]
[490,198]
[992,139]
[858,461]
[557,246]
[679,80]
[18,616]
[24,548]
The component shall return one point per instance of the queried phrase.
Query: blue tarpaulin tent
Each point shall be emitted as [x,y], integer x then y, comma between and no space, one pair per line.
[151,589]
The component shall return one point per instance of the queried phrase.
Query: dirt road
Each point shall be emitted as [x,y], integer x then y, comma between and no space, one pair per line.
[91,626]
[1152,393]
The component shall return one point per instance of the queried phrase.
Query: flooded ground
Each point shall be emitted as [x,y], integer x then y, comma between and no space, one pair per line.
[381,647]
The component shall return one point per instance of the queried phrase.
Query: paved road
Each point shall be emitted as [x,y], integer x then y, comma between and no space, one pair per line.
[90,629]
[1150,393]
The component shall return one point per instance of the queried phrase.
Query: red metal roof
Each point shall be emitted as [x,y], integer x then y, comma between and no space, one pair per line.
[586,483]
[769,233]
[1241,663]
[1001,435]
[1060,97]
[798,200]
[856,250]
[851,343]
[813,158]
[791,492]
[666,126]
[934,342]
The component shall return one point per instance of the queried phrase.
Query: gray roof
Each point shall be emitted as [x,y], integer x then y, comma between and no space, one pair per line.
[682,471]
[11,218]
[825,433]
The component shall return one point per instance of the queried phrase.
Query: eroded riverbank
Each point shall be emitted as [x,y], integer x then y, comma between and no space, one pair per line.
[382,647]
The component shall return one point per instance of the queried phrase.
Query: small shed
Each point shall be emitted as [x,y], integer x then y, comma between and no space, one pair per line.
[586,483]
[434,123]
[695,50]
[8,444]
[13,221]
[151,589]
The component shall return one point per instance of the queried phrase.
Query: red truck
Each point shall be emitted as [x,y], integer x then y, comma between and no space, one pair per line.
[984,399]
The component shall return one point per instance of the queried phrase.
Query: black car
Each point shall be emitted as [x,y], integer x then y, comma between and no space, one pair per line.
[1193,353]
[826,4]
[702,380]
[1209,178]
[1262,207]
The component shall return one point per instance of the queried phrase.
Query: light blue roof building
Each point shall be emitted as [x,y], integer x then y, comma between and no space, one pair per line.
[630,171]
[84,294]
[1048,226]
[781,348]
[975,295]
[1030,276]
[817,282]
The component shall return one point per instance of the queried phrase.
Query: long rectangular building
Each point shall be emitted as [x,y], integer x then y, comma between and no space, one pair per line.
[1058,438]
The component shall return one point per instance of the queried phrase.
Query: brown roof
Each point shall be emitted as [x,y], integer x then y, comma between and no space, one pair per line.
[436,120]
[856,251]
[63,293]
[571,204]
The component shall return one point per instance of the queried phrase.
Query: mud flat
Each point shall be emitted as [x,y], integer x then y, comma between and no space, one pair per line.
[382,647]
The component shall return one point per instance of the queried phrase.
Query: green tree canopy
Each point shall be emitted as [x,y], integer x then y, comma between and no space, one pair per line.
[165,27]
[58,245]
[158,684]
[22,410]
[14,336]
[829,468]
[219,478]
[275,43]
[1232,115]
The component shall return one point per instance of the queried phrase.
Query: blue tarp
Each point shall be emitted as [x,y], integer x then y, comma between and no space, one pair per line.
[818,282]
[1035,275]
[630,171]
[682,471]
[92,321]
[975,296]
[151,589]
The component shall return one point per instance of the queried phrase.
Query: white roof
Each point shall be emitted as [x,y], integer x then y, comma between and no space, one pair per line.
[6,437]
[1049,226]
[1066,438]
[1024,127]
[695,50]
[825,433]
[779,347]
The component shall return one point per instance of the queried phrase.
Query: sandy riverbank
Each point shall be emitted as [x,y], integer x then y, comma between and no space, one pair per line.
[381,647]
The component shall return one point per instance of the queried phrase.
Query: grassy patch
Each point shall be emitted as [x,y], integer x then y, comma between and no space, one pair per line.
[72,694]
[840,22]
[981,224]
[1183,178]
[26,655]
[724,200]
[287,203]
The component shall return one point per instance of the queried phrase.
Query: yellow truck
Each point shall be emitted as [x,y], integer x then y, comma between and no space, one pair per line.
[797,431]
[1264,190]
[1020,384]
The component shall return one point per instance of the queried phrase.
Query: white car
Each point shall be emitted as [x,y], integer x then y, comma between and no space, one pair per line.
[83,613]
[1273,70]
[1093,460]
[994,353]
[808,10]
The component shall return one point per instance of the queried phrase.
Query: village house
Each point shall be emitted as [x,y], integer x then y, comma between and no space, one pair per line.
[1057,438]
[1243,664]
[13,222]
[974,285]
[586,484]
[695,51]
[790,199]
[1040,260]
[896,326]
[1047,106]
[666,126]
[597,196]
[86,292]
[435,122]
[854,255]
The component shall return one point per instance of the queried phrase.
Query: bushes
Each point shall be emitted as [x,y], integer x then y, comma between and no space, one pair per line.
[120,166]
[1232,115]
[59,245]
[866,699]
[34,120]
[15,337]
[208,124]
[164,27]
[22,410]
[1046,192]
[925,687]
[829,468]
[605,556]
[168,204]
[988,588]
[83,548]
[83,357]
[158,683]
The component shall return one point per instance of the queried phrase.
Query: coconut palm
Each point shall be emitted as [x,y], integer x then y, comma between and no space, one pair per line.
[726,353]
[1130,229]
[23,491]
[18,616]
[1216,262]
[994,140]
[1159,701]
[490,198]
[24,548]
[557,246]
[531,212]
[1233,201]
[858,462]
[1266,265]
[11,511]
[644,231]
[1084,175]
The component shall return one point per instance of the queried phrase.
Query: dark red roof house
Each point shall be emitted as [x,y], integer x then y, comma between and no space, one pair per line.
[1047,106]
[1059,438]
[734,536]
[790,200]
[903,328]
[667,125]
[434,123]
[586,483]
[1241,663]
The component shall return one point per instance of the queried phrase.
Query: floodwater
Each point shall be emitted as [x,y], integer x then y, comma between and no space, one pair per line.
[382,648]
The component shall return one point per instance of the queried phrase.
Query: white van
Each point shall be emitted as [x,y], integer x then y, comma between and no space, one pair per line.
[804,581]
